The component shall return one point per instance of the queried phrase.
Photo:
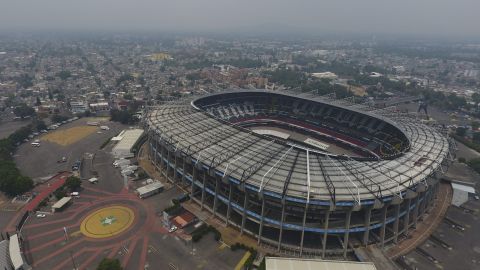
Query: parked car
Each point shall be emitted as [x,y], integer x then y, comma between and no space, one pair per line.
[173,228]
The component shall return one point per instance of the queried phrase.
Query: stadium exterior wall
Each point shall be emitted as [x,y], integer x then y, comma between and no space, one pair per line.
[281,223]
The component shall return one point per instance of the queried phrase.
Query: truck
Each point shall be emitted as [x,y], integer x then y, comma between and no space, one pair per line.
[149,190]
[129,167]
[121,162]
[126,172]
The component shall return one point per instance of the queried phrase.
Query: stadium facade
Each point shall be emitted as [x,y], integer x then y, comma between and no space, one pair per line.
[292,193]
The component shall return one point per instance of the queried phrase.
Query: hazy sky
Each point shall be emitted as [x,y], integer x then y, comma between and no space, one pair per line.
[433,17]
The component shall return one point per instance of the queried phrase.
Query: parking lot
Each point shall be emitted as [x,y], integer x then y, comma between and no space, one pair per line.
[142,244]
[450,247]
[41,162]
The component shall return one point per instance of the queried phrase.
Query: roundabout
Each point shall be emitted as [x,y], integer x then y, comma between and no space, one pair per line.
[107,222]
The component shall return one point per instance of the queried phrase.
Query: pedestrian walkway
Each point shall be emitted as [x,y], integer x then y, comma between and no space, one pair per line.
[53,184]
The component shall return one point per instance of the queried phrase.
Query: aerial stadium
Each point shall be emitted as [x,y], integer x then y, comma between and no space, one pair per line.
[300,172]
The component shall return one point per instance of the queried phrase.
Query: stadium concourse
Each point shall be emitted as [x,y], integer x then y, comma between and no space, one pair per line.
[300,172]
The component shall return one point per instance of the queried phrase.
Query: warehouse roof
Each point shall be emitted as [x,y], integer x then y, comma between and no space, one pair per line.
[272,263]
[61,203]
[15,252]
[128,138]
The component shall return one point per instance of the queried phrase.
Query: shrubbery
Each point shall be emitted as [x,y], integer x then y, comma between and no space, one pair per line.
[203,230]
[12,182]
[253,253]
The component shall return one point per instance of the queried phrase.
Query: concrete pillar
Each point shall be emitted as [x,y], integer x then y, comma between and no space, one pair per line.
[366,234]
[303,228]
[281,226]
[325,234]
[184,173]
[203,189]
[215,201]
[194,176]
[384,225]
[154,152]
[415,211]
[396,222]
[244,215]
[168,164]
[229,207]
[260,229]
[406,217]
[348,216]
[164,156]
[175,167]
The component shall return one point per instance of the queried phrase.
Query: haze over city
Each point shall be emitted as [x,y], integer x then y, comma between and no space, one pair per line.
[229,134]
[425,17]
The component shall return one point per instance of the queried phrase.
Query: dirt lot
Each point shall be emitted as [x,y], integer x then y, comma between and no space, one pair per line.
[69,136]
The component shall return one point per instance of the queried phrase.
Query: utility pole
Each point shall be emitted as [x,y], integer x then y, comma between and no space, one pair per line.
[73,261]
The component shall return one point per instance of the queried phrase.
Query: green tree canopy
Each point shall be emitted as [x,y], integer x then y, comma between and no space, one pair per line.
[109,264]
[73,183]
[461,131]
[23,110]
[64,74]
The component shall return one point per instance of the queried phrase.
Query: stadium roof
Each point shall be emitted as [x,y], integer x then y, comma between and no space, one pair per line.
[301,175]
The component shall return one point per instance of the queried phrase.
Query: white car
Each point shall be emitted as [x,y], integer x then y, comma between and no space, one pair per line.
[173,228]
[41,215]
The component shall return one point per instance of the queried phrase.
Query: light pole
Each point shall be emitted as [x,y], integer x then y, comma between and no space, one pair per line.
[73,261]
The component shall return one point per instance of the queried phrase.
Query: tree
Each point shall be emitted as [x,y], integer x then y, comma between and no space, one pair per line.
[124,117]
[56,118]
[474,164]
[20,135]
[461,131]
[40,125]
[73,183]
[64,74]
[109,264]
[475,125]
[476,137]
[24,80]
[38,102]
[23,110]
[476,99]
